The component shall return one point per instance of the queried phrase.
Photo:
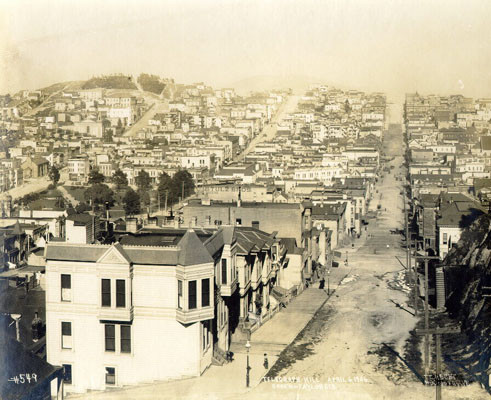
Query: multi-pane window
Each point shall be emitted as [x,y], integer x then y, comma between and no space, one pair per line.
[445,238]
[66,335]
[224,271]
[179,294]
[125,339]
[192,294]
[106,293]
[66,287]
[120,293]
[110,376]
[205,292]
[67,373]
[110,337]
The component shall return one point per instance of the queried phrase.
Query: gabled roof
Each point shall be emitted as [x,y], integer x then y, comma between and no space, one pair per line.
[115,254]
[17,229]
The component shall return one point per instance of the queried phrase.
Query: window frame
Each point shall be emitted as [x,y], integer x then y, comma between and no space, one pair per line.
[224,272]
[205,295]
[66,324]
[192,294]
[126,340]
[108,338]
[121,295]
[106,375]
[180,294]
[66,290]
[107,293]
[65,381]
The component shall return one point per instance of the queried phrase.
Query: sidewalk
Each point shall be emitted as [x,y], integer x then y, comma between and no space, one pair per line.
[281,330]
[229,380]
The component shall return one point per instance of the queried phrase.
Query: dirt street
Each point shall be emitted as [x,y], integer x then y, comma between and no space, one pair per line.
[356,338]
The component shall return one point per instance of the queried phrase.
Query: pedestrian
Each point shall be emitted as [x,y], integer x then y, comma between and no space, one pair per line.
[36,327]
[322,283]
[266,363]
[26,280]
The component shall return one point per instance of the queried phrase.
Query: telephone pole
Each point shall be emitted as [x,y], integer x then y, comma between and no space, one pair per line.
[166,196]
[412,271]
[413,274]
[438,332]
[427,311]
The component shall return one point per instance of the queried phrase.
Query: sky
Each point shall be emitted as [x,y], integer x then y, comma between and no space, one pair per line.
[394,46]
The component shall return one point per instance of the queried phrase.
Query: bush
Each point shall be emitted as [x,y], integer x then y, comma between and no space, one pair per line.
[151,83]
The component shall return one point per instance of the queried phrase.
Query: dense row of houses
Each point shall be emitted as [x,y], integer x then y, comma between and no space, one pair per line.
[449,166]
[255,234]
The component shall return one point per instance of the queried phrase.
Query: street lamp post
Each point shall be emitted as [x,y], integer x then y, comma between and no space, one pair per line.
[248,368]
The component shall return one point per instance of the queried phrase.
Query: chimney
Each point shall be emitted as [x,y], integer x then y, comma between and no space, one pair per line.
[131,225]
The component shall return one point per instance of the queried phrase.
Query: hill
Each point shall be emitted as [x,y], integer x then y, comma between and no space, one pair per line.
[118,81]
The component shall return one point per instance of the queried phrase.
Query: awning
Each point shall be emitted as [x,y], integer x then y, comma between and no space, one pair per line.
[21,272]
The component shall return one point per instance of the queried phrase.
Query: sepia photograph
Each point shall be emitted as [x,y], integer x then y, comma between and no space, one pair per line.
[245,199]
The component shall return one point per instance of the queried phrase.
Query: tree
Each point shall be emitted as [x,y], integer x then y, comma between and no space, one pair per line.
[163,188]
[347,106]
[95,177]
[143,181]
[107,136]
[131,202]
[54,175]
[82,207]
[99,194]
[119,179]
[181,180]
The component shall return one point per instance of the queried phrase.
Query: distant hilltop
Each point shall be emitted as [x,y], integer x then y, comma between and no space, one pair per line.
[144,82]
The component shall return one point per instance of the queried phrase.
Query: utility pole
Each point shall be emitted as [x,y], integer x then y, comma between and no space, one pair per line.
[438,332]
[408,258]
[427,311]
[166,196]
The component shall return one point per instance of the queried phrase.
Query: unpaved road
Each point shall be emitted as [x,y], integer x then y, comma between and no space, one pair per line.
[269,130]
[362,320]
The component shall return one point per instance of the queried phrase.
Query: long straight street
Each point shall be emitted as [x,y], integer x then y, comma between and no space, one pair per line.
[269,130]
[360,329]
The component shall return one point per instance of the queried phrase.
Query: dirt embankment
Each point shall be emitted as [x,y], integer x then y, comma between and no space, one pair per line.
[468,274]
